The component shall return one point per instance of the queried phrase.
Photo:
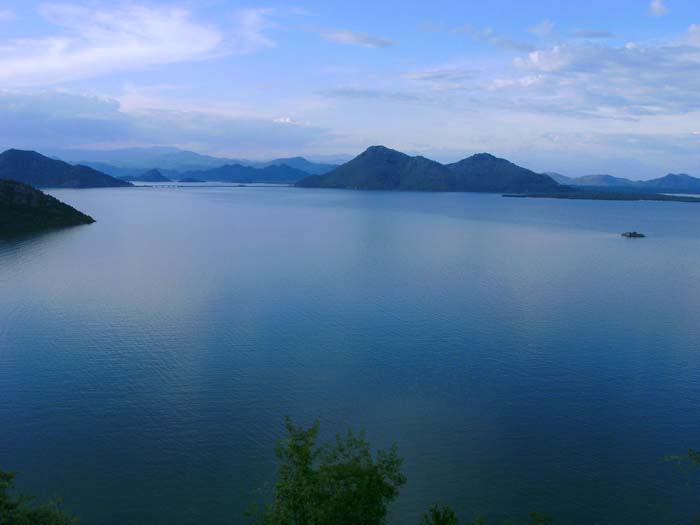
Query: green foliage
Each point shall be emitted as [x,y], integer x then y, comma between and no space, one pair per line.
[534,518]
[539,519]
[18,511]
[691,459]
[438,515]
[341,483]
[694,457]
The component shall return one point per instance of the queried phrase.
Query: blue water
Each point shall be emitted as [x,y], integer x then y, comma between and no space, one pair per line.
[523,355]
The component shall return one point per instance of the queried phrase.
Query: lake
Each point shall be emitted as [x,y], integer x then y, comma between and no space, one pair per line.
[523,355]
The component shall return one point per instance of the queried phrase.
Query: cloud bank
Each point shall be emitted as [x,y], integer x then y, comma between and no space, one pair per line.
[50,120]
[103,39]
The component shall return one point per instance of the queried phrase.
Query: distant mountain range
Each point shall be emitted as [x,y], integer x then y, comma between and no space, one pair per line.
[131,162]
[381,168]
[301,164]
[164,158]
[25,209]
[148,176]
[671,183]
[30,167]
[280,174]
[377,168]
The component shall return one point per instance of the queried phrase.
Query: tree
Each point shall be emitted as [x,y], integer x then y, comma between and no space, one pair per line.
[534,518]
[537,519]
[694,457]
[440,516]
[341,483]
[18,511]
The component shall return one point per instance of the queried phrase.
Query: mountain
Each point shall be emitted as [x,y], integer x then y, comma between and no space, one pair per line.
[35,169]
[300,163]
[164,158]
[247,174]
[381,168]
[680,183]
[190,180]
[26,209]
[558,177]
[131,161]
[485,173]
[604,181]
[148,176]
[600,181]
[121,173]
[114,171]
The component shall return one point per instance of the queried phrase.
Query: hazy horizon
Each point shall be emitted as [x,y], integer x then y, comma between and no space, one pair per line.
[95,155]
[576,89]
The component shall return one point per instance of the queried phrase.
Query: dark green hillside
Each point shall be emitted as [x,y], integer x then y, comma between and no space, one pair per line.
[381,168]
[26,209]
[485,173]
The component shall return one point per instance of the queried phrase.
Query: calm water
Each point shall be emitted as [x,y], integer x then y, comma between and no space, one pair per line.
[523,355]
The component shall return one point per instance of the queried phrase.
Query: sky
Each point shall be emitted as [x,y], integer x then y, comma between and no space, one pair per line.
[602,86]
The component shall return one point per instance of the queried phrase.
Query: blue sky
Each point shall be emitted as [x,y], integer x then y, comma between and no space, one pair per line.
[576,87]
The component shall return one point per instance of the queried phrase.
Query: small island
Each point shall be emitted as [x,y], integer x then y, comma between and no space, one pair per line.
[633,235]
[24,209]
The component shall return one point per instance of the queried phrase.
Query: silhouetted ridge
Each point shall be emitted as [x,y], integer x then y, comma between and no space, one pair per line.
[26,209]
[674,182]
[30,167]
[381,168]
[671,183]
[484,172]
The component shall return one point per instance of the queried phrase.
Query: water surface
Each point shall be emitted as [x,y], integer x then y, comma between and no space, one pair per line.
[523,355]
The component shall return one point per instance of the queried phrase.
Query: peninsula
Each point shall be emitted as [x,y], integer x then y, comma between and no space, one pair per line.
[25,209]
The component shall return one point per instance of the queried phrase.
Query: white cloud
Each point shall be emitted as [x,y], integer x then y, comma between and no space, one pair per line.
[344,36]
[579,80]
[249,30]
[487,36]
[658,8]
[591,33]
[97,40]
[443,74]
[621,82]
[694,35]
[369,94]
[544,28]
